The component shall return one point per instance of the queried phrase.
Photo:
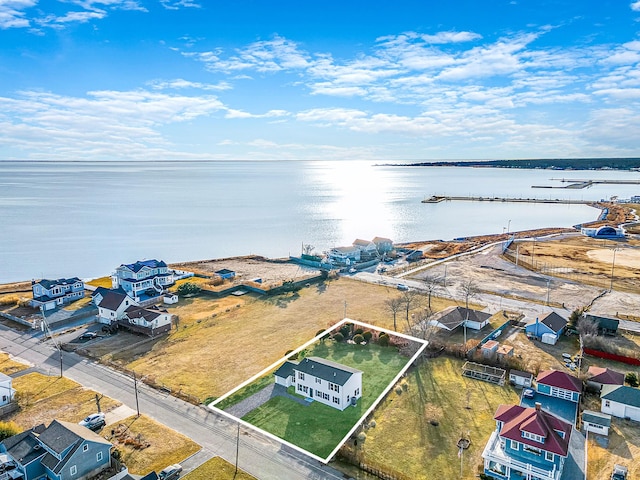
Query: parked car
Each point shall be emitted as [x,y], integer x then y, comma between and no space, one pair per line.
[171,472]
[566,356]
[403,287]
[88,335]
[94,422]
[619,472]
[529,393]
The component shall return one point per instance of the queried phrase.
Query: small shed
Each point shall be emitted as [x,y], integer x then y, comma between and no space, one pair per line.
[549,338]
[170,298]
[505,351]
[606,325]
[596,422]
[225,273]
[521,379]
[489,348]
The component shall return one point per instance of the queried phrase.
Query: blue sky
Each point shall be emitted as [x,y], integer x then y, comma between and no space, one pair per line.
[268,80]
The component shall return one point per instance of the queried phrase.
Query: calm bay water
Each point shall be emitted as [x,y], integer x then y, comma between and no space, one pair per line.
[84,219]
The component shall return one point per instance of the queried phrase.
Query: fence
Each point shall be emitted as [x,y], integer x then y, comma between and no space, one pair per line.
[7,409]
[17,319]
[612,356]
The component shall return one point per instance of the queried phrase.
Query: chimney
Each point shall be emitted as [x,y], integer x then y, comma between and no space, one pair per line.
[538,405]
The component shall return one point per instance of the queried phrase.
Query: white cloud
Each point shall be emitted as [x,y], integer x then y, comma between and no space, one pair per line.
[104,124]
[180,83]
[12,13]
[635,6]
[177,4]
[232,113]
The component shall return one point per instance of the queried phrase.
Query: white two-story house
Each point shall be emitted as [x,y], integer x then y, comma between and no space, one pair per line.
[322,380]
[136,278]
[49,294]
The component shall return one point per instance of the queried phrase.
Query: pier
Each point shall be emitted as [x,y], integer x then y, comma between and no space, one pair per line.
[442,198]
[575,183]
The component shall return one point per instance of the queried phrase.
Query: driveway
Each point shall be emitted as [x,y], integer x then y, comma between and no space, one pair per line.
[258,399]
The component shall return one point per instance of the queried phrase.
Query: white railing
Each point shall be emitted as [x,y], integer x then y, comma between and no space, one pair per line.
[494,452]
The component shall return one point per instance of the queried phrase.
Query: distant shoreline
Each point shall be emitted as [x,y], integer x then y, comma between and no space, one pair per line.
[623,164]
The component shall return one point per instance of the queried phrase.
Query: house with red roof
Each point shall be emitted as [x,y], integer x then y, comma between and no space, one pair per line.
[598,376]
[528,443]
[555,383]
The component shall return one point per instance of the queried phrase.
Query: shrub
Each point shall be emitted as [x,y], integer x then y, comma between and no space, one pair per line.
[188,289]
[383,340]
[358,331]
[358,339]
[345,330]
[367,336]
[632,379]
[8,429]
[9,300]
[338,337]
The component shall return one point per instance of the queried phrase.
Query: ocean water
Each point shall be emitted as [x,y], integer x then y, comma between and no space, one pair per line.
[84,219]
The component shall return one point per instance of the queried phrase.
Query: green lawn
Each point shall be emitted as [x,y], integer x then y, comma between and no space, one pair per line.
[404,440]
[317,427]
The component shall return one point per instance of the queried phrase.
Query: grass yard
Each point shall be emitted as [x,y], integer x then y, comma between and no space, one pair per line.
[319,428]
[217,469]
[9,366]
[404,440]
[100,282]
[147,445]
[623,449]
[221,342]
[43,398]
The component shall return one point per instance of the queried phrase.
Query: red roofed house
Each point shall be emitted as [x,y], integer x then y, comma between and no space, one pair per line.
[599,376]
[559,384]
[528,443]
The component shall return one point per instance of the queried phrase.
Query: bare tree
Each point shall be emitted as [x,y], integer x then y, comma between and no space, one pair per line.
[469,290]
[587,326]
[394,305]
[432,284]
[409,299]
[308,249]
[421,327]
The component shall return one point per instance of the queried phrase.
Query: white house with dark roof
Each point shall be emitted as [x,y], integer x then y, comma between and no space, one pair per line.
[149,321]
[383,244]
[61,451]
[136,278]
[596,422]
[322,380]
[367,248]
[528,443]
[453,317]
[344,255]
[49,294]
[7,392]
[620,401]
[111,304]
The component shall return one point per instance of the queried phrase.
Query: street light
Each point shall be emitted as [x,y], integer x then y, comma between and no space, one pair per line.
[613,265]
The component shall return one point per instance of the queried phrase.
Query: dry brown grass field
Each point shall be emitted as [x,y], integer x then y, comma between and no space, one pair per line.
[219,343]
[42,398]
[623,448]
[587,260]
[147,445]
[9,366]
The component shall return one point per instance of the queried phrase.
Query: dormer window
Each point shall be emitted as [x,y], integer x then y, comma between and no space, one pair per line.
[533,436]
[560,432]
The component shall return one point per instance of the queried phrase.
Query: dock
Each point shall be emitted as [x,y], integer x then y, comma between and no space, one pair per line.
[442,198]
[575,183]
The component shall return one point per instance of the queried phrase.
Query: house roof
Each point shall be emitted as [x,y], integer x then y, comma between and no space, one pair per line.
[381,240]
[505,349]
[520,373]
[285,369]
[556,378]
[604,322]
[517,419]
[140,264]
[138,312]
[326,370]
[597,418]
[606,376]
[452,317]
[24,447]
[345,249]
[362,243]
[554,321]
[60,281]
[4,378]
[224,271]
[621,394]
[59,435]
[490,345]
[111,300]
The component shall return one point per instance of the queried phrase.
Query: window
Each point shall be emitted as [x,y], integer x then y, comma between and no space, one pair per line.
[515,445]
[301,375]
[548,456]
[299,387]
[325,396]
[499,425]
[561,393]
[336,400]
[530,449]
[348,398]
[334,387]
[318,380]
[607,403]
[73,470]
[533,436]
[305,389]
[85,447]
[357,392]
[99,457]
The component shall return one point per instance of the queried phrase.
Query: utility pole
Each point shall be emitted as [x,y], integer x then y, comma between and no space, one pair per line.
[237,450]
[613,265]
[548,290]
[135,386]
[46,329]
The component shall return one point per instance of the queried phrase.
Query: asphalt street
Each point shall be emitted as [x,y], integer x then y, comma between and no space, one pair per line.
[258,455]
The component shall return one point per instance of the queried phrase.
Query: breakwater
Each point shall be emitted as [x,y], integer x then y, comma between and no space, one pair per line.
[442,198]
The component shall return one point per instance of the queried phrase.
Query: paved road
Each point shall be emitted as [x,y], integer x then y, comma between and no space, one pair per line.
[260,456]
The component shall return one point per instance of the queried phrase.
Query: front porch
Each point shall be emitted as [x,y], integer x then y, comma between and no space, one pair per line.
[500,465]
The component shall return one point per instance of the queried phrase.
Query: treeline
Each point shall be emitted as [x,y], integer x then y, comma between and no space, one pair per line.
[542,163]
